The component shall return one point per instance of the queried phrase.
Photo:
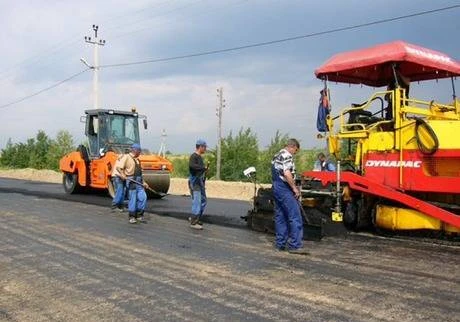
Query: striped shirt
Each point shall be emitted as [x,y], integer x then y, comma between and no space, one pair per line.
[283,161]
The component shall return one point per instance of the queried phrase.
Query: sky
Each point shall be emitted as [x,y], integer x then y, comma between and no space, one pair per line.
[266,88]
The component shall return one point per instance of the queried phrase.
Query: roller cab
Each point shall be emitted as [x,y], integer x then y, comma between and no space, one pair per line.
[111,133]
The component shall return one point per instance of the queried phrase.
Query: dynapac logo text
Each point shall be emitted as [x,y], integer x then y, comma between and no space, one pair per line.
[393,164]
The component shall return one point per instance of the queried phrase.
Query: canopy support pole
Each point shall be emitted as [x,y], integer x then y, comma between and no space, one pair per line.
[327,89]
[454,96]
[453,89]
[393,67]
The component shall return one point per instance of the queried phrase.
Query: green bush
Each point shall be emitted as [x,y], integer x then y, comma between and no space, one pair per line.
[40,152]
[238,153]
[180,164]
[181,168]
[264,164]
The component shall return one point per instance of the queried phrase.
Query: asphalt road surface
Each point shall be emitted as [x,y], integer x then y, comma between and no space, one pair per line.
[63,260]
[218,211]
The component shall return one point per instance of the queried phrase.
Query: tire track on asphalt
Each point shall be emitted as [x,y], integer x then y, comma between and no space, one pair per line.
[335,262]
[31,295]
[388,273]
[392,266]
[206,295]
[85,237]
[90,277]
[258,252]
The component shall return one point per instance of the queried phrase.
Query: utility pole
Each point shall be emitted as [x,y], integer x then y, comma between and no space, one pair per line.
[220,95]
[96,42]
[162,151]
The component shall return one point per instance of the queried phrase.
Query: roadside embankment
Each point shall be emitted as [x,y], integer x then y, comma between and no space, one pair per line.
[215,189]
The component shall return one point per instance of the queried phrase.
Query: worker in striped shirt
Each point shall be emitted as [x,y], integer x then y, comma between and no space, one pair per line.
[288,219]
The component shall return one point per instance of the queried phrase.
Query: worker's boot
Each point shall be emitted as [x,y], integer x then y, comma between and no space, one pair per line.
[199,221]
[118,208]
[140,217]
[195,223]
[298,251]
[132,218]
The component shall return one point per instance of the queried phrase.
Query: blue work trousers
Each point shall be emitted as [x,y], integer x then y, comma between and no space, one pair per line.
[199,199]
[288,219]
[137,196]
[119,186]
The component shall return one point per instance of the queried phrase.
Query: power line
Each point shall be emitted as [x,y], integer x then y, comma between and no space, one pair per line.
[267,43]
[188,17]
[33,59]
[272,42]
[45,89]
[46,53]
[139,21]
[134,13]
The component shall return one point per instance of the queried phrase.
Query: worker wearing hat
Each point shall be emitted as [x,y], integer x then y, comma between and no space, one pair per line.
[130,169]
[197,181]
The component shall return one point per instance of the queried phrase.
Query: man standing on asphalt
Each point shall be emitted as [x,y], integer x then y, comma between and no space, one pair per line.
[196,183]
[118,185]
[130,170]
[288,219]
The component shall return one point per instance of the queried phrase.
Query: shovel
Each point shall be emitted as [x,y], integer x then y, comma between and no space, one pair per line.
[161,194]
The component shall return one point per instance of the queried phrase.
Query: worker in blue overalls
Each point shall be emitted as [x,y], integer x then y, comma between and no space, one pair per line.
[130,169]
[288,219]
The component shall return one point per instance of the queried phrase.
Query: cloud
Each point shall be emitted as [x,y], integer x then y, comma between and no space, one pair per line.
[184,106]
[266,88]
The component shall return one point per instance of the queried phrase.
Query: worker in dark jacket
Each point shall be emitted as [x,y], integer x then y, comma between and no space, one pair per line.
[196,182]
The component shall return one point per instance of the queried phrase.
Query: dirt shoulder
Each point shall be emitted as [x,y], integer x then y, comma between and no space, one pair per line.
[215,189]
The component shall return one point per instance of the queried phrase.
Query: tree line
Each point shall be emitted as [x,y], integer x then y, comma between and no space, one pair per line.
[40,152]
[239,151]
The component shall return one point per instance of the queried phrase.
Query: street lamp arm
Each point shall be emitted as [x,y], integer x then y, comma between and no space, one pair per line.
[86,63]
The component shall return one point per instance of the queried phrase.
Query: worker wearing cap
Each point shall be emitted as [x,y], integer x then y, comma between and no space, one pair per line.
[130,169]
[197,181]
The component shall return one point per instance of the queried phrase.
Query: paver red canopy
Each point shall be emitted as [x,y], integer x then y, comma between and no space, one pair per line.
[372,66]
